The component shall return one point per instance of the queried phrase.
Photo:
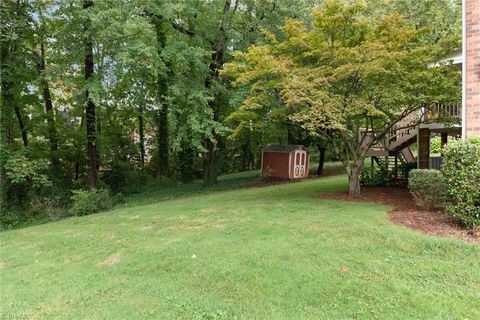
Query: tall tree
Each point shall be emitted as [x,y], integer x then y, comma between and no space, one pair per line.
[47,100]
[162,94]
[90,117]
[352,75]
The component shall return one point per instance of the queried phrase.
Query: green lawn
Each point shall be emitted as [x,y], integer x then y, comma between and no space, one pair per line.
[260,253]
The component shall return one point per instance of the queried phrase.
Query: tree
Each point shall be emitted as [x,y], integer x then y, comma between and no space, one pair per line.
[349,76]
[90,117]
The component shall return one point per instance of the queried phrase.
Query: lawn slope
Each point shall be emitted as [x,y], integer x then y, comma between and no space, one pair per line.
[261,253]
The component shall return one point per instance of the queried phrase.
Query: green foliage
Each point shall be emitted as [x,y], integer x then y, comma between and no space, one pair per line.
[461,172]
[347,72]
[426,187]
[25,177]
[435,145]
[406,168]
[85,202]
[377,177]
[45,206]
[21,171]
[122,177]
[152,55]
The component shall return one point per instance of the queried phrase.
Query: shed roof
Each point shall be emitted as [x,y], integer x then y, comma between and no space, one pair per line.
[287,148]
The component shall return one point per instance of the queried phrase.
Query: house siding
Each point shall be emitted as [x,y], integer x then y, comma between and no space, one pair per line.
[472,42]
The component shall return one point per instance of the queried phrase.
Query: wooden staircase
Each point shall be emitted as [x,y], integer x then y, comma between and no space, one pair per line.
[395,147]
[403,139]
[397,143]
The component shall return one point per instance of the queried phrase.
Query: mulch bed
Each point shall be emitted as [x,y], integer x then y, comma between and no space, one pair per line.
[405,213]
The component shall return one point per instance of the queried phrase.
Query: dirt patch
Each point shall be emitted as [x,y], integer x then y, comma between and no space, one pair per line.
[109,262]
[405,213]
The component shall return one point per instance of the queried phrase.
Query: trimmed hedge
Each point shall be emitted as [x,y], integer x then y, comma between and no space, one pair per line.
[426,187]
[461,172]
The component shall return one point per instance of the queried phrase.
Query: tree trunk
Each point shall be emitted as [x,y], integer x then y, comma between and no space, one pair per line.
[90,120]
[162,116]
[354,185]
[21,126]
[162,122]
[6,134]
[217,60]
[98,134]
[210,162]
[321,160]
[49,112]
[354,171]
[79,151]
[185,157]
[141,135]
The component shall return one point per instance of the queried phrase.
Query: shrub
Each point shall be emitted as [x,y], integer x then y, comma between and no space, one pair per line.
[405,168]
[44,206]
[377,177]
[24,177]
[124,178]
[426,187]
[461,172]
[88,202]
[435,145]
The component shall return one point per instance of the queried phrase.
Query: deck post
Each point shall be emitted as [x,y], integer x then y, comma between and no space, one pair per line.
[423,148]
[444,139]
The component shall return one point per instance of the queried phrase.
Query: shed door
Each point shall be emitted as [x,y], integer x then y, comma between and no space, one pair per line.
[300,163]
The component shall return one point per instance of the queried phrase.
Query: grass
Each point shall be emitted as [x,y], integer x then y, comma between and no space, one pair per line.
[265,253]
[226,182]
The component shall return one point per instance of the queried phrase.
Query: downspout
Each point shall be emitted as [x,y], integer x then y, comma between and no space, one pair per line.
[464,69]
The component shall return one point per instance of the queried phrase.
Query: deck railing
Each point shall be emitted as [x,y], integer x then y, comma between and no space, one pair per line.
[441,111]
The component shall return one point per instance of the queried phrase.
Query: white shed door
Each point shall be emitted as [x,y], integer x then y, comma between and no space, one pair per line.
[300,164]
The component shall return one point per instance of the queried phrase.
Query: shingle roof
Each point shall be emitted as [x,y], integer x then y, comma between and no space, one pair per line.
[283,148]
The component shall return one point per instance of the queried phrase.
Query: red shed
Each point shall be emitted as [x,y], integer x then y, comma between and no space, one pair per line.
[285,162]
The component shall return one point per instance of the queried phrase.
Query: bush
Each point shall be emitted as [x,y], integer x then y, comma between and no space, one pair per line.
[405,168]
[25,177]
[44,206]
[378,177]
[461,172]
[124,178]
[88,202]
[426,187]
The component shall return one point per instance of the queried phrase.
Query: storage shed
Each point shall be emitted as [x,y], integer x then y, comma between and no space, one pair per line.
[285,162]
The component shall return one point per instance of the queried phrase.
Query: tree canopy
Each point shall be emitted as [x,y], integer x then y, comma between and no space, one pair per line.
[346,74]
[100,95]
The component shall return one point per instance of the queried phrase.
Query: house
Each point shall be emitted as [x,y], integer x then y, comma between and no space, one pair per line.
[285,162]
[463,120]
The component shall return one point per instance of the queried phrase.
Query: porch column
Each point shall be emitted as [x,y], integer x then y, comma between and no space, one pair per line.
[423,148]
[444,139]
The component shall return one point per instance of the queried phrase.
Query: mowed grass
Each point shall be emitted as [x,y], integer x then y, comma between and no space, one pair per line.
[260,253]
